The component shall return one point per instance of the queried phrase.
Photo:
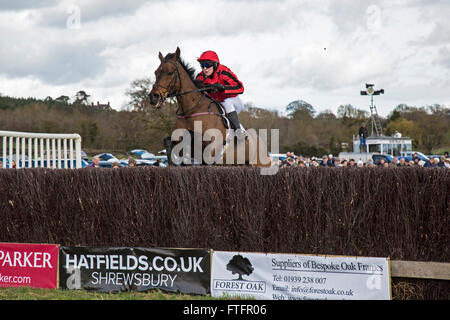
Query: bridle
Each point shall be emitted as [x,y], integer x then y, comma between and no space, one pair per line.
[170,87]
[170,92]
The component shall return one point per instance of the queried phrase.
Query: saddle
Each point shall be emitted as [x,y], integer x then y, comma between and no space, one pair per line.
[222,112]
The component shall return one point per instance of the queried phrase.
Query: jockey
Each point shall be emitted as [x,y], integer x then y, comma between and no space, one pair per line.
[225,88]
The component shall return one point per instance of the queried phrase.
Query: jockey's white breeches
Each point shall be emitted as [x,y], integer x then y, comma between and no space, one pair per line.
[233,104]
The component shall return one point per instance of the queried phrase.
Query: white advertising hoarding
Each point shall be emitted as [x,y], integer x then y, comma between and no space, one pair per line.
[274,276]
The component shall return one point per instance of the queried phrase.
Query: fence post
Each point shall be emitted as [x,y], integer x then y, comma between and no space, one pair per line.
[78,151]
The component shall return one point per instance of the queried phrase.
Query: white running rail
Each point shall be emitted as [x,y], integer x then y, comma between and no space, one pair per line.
[32,150]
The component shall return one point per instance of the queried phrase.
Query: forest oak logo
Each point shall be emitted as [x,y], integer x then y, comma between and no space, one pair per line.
[242,267]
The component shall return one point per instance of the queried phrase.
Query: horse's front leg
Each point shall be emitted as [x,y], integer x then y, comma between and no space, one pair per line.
[180,152]
[168,145]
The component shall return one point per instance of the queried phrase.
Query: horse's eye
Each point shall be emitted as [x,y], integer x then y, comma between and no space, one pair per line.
[170,73]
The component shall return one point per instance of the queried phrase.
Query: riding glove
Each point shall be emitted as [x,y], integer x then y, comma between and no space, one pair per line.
[217,87]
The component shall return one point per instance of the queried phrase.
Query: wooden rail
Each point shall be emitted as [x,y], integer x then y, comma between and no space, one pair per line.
[419,269]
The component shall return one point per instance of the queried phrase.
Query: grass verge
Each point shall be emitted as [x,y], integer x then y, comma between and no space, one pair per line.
[27,293]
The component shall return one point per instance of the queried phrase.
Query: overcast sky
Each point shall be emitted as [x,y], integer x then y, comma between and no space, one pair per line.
[322,52]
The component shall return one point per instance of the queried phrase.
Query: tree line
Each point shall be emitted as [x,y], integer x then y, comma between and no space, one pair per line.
[302,129]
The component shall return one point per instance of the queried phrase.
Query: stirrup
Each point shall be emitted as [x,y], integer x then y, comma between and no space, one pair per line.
[241,134]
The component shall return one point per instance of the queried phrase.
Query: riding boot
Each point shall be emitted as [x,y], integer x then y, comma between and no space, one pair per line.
[239,132]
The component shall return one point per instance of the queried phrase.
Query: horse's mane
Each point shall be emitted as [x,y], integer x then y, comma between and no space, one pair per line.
[189,69]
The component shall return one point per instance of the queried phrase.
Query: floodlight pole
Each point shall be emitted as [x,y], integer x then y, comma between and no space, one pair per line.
[373,111]
[372,116]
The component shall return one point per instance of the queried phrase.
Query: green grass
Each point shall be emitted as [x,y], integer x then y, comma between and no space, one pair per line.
[27,293]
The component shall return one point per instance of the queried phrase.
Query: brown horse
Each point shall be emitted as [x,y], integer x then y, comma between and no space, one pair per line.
[197,113]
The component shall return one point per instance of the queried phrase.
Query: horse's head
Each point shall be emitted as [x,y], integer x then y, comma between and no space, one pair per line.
[167,79]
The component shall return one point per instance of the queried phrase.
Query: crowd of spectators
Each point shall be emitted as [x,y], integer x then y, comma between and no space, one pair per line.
[115,165]
[292,160]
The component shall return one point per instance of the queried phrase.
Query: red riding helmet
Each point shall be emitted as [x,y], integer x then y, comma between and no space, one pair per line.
[209,56]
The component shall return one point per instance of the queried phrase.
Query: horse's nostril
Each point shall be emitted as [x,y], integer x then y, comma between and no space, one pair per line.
[154,98]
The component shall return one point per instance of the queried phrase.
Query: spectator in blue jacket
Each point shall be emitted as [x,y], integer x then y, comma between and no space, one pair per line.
[330,161]
[430,163]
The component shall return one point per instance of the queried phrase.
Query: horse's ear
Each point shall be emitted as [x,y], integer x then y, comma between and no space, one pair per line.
[160,56]
[177,53]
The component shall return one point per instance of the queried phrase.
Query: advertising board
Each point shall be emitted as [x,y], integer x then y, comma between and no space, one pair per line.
[299,277]
[135,269]
[29,264]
